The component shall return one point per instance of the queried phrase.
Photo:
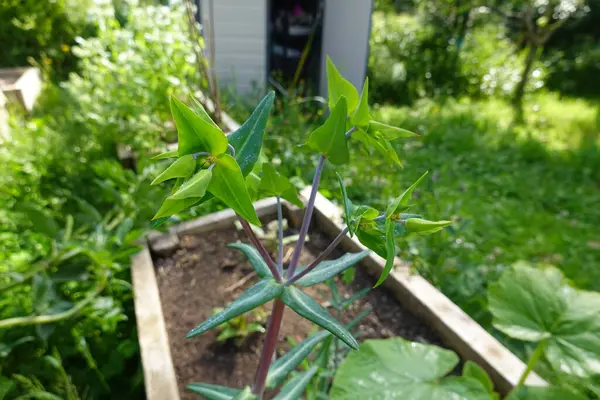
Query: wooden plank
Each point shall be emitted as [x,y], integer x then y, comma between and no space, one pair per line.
[159,375]
[456,328]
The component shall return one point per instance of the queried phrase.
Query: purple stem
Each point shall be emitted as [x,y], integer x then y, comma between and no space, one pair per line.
[306,221]
[280,236]
[268,351]
[261,249]
[321,256]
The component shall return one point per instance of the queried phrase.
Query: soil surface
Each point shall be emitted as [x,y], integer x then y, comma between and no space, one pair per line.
[204,274]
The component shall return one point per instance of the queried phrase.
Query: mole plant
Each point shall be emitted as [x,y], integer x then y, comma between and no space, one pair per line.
[210,164]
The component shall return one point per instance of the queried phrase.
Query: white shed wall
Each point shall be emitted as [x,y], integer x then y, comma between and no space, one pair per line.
[240,34]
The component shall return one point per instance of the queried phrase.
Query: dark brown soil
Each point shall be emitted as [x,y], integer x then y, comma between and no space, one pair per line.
[199,276]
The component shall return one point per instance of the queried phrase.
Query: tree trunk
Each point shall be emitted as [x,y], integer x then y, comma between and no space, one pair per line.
[520,89]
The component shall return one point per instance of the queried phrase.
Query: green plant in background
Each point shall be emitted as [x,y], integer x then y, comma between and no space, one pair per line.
[208,163]
[240,328]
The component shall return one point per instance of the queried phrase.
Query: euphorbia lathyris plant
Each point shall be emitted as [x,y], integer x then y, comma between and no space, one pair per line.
[209,163]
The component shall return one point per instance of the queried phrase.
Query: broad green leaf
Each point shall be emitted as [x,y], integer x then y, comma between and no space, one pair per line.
[247,140]
[213,392]
[291,195]
[361,116]
[245,394]
[195,186]
[389,132]
[294,388]
[6,386]
[201,111]
[424,227]
[167,154]
[372,237]
[542,393]
[259,265]
[390,249]
[228,185]
[360,213]
[379,143]
[253,184]
[307,307]
[328,269]
[535,304]
[398,369]
[271,182]
[289,361]
[171,206]
[338,87]
[330,138]
[401,202]
[194,133]
[472,370]
[181,168]
[347,204]
[264,291]
[40,221]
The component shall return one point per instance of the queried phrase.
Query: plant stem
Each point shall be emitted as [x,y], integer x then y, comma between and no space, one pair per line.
[535,356]
[321,256]
[350,132]
[307,217]
[268,351]
[261,249]
[280,235]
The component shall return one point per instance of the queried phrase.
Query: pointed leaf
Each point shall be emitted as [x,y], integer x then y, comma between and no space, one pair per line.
[328,269]
[294,388]
[181,168]
[194,133]
[253,184]
[171,206]
[272,182]
[245,394]
[543,393]
[259,265]
[291,195]
[166,154]
[201,111]
[347,205]
[330,138]
[194,187]
[536,304]
[389,132]
[307,307]
[338,86]
[390,246]
[372,237]
[40,220]
[289,361]
[264,291]
[424,227]
[213,392]
[247,140]
[227,185]
[361,116]
[398,369]
[472,370]
[400,203]
[379,143]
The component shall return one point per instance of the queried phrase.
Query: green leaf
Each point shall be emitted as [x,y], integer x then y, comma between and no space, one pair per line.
[291,195]
[171,206]
[259,265]
[294,388]
[380,144]
[167,154]
[372,237]
[347,204]
[398,369]
[194,187]
[288,362]
[226,333]
[330,138]
[213,392]
[338,87]
[6,386]
[195,134]
[328,269]
[247,140]
[307,307]
[424,227]
[535,304]
[245,394]
[472,370]
[389,132]
[264,291]
[400,203]
[390,247]
[201,111]
[253,184]
[181,168]
[361,116]
[542,393]
[271,182]
[228,185]
[40,221]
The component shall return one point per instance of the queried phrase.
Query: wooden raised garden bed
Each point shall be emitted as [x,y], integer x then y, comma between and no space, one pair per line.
[182,275]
